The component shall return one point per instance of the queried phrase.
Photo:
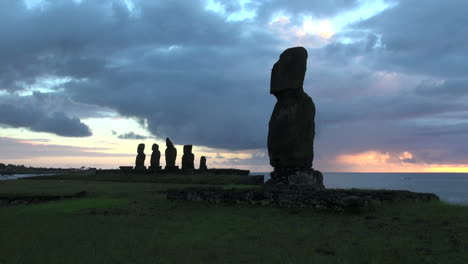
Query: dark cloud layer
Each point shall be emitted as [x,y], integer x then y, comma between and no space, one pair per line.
[29,112]
[423,39]
[189,74]
[21,149]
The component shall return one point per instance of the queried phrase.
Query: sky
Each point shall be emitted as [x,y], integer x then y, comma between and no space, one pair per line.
[82,83]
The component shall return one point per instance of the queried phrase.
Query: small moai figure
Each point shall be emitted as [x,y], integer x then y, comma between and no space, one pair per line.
[203,163]
[188,158]
[140,158]
[171,155]
[155,156]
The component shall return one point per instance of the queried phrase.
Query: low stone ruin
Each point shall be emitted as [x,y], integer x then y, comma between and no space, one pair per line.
[299,196]
[140,158]
[155,156]
[188,159]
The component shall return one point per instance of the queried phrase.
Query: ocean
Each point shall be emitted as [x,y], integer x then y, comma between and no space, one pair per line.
[450,187]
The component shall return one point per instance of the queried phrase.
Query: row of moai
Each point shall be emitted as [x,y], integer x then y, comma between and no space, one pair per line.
[171,155]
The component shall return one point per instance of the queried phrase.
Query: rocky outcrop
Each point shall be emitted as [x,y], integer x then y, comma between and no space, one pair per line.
[291,128]
[282,195]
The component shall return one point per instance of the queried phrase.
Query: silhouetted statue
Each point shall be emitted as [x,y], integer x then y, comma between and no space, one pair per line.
[188,158]
[292,127]
[155,156]
[140,158]
[203,163]
[171,155]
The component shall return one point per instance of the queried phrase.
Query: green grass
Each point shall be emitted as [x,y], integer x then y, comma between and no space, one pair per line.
[134,223]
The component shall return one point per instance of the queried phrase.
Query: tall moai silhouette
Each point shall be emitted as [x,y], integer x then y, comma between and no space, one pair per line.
[291,129]
[170,155]
[155,156]
[140,158]
[188,158]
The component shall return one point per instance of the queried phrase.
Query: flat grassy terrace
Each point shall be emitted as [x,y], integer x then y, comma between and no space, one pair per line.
[132,222]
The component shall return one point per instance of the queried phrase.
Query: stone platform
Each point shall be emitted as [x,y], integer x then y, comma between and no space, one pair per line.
[176,170]
[353,200]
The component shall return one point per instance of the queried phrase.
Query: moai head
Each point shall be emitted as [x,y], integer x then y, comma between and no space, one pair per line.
[155,147]
[187,149]
[169,143]
[289,71]
[203,160]
[141,148]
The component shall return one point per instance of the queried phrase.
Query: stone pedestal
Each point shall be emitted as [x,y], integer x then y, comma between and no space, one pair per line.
[155,168]
[311,177]
[140,169]
[171,168]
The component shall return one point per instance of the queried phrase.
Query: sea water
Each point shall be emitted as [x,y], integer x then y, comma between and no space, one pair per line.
[450,187]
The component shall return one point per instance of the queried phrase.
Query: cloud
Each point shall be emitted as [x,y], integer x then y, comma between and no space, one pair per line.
[450,89]
[425,39]
[397,83]
[303,7]
[13,148]
[28,112]
[131,135]
[375,161]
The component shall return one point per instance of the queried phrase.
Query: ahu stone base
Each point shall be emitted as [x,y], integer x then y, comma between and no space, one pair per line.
[312,178]
[295,196]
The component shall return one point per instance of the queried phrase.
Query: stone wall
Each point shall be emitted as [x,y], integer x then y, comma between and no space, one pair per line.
[353,200]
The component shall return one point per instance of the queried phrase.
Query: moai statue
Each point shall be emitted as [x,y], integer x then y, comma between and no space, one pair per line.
[155,156]
[203,163]
[188,158]
[171,155]
[292,128]
[140,158]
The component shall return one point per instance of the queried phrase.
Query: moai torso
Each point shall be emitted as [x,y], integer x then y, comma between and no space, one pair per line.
[170,153]
[140,158]
[188,158]
[155,156]
[203,163]
[292,128]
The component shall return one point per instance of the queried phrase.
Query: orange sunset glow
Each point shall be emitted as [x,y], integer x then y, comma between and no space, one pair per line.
[375,161]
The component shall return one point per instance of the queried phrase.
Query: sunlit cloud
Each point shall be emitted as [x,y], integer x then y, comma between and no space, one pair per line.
[322,28]
[375,161]
[365,158]
[310,32]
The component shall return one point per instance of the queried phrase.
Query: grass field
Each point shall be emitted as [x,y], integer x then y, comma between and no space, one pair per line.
[134,223]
